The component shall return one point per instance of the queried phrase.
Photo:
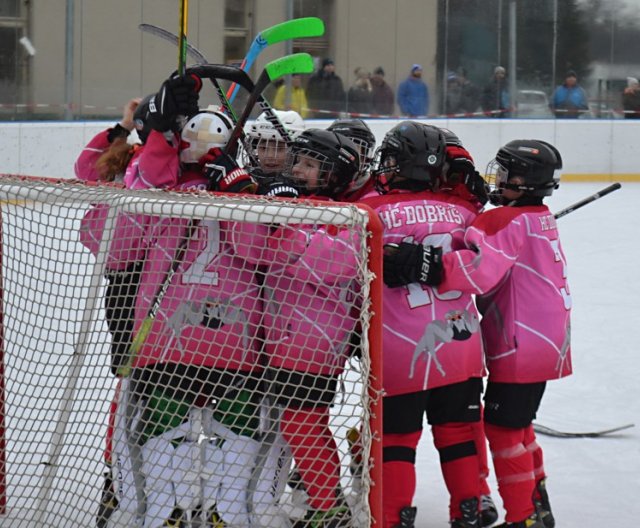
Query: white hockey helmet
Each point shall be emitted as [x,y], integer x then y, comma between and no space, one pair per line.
[262,128]
[207,129]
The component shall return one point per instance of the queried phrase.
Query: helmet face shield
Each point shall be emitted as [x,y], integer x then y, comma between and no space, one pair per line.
[309,171]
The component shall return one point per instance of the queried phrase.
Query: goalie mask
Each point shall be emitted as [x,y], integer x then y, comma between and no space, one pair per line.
[205,130]
[536,163]
[268,146]
[360,133]
[322,163]
[411,157]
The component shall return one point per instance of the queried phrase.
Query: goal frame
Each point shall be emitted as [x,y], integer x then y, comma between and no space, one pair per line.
[9,185]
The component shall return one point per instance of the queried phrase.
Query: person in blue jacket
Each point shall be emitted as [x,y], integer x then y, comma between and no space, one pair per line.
[569,100]
[413,94]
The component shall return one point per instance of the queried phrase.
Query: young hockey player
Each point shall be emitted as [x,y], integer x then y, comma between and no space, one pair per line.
[107,155]
[360,133]
[269,148]
[194,373]
[309,289]
[432,350]
[515,264]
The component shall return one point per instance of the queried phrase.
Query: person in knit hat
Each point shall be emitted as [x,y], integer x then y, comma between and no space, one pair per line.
[325,92]
[413,94]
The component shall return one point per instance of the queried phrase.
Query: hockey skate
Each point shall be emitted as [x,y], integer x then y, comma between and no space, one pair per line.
[470,515]
[407,517]
[337,517]
[542,504]
[488,511]
[531,522]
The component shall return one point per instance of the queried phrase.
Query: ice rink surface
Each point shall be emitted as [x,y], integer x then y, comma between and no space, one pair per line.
[591,482]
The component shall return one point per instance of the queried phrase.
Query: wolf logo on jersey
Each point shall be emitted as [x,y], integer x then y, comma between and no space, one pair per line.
[458,325]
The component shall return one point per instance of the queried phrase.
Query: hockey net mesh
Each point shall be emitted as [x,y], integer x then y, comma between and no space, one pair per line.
[252,342]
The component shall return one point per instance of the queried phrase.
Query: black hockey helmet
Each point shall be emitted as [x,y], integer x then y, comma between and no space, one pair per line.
[451,138]
[414,151]
[140,118]
[360,133]
[338,157]
[537,162]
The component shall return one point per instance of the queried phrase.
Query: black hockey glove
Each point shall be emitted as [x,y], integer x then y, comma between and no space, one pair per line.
[177,96]
[477,186]
[278,189]
[224,175]
[408,262]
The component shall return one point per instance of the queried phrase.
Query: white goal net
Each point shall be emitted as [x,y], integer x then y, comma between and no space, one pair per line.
[186,360]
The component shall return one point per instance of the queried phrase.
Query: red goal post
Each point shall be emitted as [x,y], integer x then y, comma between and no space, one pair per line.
[56,386]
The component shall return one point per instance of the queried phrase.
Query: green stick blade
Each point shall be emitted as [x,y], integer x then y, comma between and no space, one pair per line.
[296,63]
[293,29]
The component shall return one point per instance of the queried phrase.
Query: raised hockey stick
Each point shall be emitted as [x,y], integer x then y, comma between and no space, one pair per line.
[229,73]
[587,200]
[295,63]
[192,51]
[549,431]
[291,29]
[182,47]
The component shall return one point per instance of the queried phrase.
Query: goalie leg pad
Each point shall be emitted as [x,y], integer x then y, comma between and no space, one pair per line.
[157,468]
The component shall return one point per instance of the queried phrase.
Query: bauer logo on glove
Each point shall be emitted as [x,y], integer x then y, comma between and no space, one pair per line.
[407,262]
[225,175]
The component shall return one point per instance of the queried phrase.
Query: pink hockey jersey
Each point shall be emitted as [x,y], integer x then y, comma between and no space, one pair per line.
[211,312]
[430,338]
[310,293]
[517,266]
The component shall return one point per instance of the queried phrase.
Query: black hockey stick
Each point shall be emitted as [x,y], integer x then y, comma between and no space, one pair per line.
[240,78]
[549,431]
[295,63]
[587,200]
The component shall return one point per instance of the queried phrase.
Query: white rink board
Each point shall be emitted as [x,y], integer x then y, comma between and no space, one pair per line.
[592,149]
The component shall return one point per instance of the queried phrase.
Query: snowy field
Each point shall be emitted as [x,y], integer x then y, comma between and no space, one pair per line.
[591,482]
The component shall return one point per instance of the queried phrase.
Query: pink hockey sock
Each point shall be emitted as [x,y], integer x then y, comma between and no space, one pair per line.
[513,465]
[398,474]
[456,445]
[315,452]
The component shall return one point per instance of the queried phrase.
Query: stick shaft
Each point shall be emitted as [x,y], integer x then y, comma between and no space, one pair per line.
[587,200]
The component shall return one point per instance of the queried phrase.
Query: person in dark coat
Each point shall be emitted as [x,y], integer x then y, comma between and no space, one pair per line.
[325,91]
[382,97]
[631,99]
[495,96]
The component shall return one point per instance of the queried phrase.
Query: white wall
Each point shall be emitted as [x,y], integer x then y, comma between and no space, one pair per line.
[592,150]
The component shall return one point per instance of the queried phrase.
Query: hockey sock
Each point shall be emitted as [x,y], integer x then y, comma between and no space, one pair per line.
[533,447]
[513,465]
[398,474]
[481,448]
[315,452]
[456,444]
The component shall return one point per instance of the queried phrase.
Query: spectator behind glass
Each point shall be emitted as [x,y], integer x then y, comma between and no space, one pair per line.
[298,100]
[495,96]
[325,91]
[569,100]
[359,95]
[631,99]
[452,100]
[413,94]
[469,93]
[381,94]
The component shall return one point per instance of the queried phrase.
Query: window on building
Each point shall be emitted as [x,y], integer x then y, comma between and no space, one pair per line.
[236,30]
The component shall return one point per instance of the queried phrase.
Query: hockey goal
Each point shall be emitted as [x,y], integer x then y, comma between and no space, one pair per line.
[57,371]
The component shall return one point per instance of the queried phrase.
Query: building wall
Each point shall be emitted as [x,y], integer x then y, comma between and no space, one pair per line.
[113,60]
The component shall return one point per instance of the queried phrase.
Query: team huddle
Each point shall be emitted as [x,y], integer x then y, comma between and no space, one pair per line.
[247,327]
